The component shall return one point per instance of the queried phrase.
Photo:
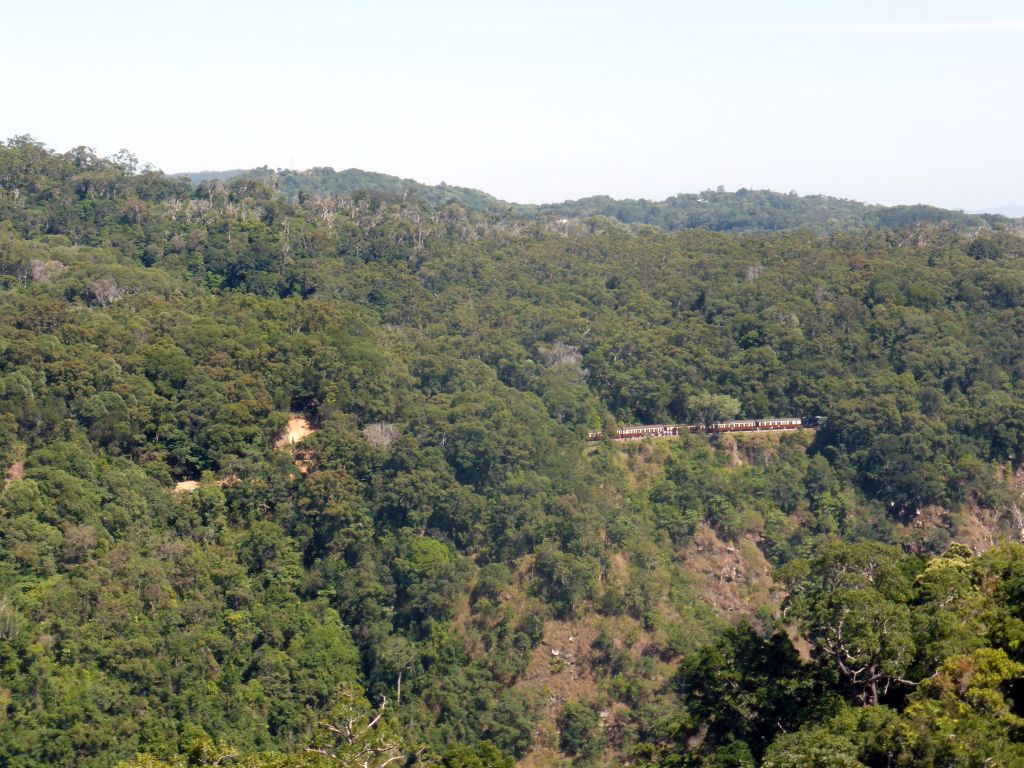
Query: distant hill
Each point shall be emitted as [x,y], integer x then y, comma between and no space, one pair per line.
[327,181]
[1011,210]
[763,210]
[745,210]
[198,177]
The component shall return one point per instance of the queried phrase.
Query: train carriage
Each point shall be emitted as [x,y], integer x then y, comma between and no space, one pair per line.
[641,431]
[748,425]
[768,424]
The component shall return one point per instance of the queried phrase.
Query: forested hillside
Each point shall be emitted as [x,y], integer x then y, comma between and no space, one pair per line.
[326,182]
[180,585]
[748,210]
[745,210]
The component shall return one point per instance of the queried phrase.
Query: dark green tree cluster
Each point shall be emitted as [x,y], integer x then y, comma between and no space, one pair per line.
[913,662]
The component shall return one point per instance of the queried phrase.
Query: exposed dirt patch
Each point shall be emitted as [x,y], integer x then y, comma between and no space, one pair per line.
[646,460]
[930,529]
[641,462]
[981,529]
[731,578]
[302,461]
[560,660]
[925,530]
[15,472]
[758,448]
[620,565]
[188,486]
[728,444]
[564,666]
[297,430]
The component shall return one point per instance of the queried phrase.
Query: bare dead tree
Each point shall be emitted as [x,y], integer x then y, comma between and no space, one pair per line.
[360,737]
[106,291]
[1017,515]
[380,434]
[561,355]
[10,621]
[44,272]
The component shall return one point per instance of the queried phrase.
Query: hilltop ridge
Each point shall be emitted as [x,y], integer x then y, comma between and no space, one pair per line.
[718,210]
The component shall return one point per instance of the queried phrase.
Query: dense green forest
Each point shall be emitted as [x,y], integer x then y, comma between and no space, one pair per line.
[444,572]
[745,210]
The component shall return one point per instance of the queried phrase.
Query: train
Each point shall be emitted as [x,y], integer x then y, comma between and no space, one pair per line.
[672,430]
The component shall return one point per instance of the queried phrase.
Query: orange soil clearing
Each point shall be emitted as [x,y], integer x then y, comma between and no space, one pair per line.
[297,430]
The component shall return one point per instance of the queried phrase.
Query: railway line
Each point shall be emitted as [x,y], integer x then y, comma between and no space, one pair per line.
[641,431]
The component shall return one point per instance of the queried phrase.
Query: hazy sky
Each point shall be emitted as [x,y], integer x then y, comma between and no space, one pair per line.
[894,102]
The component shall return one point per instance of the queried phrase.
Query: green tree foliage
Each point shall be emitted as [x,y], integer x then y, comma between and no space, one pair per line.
[744,689]
[852,602]
[707,408]
[450,354]
[743,210]
[579,729]
[959,717]
[960,710]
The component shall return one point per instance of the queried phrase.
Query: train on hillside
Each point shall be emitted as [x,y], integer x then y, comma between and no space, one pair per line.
[671,430]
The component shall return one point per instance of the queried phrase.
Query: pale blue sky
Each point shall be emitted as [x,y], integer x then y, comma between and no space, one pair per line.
[891,102]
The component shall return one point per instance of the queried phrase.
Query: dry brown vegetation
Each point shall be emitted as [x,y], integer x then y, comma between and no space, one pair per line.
[731,578]
[15,472]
